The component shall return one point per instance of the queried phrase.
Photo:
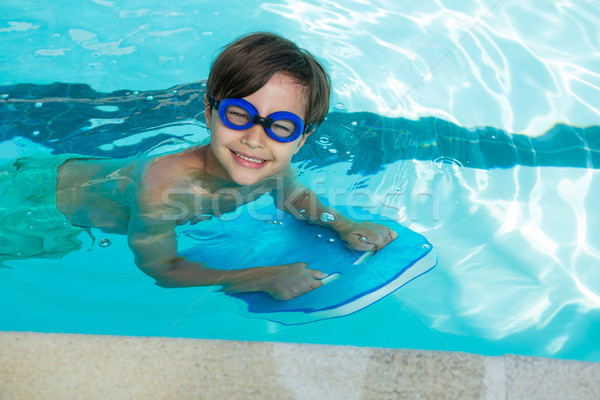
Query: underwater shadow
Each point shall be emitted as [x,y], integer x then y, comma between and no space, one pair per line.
[76,118]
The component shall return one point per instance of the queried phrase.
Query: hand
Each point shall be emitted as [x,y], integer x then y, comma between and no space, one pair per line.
[367,236]
[282,282]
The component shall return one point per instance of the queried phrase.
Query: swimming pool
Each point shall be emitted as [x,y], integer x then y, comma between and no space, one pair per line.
[425,100]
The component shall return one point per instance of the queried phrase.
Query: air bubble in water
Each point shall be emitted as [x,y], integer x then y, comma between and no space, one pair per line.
[324,141]
[446,165]
[104,243]
[340,107]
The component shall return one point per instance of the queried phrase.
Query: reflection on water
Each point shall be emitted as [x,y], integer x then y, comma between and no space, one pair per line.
[484,62]
[474,63]
[517,252]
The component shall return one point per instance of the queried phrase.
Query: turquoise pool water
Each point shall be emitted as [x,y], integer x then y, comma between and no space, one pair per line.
[473,123]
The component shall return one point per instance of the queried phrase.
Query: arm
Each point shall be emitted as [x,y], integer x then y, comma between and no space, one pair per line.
[298,200]
[154,246]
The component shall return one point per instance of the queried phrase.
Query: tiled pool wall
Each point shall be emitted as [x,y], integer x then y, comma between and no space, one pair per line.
[68,366]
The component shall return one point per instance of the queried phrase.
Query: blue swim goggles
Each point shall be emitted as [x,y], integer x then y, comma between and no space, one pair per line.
[239,114]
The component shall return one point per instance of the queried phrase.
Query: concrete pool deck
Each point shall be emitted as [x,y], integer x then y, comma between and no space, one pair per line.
[68,366]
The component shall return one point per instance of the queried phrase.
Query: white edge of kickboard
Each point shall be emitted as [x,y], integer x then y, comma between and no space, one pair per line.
[419,268]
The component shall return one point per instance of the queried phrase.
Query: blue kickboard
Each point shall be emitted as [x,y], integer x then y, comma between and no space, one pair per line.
[248,240]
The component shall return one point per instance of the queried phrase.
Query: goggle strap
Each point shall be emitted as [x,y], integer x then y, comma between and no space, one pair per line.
[308,128]
[214,103]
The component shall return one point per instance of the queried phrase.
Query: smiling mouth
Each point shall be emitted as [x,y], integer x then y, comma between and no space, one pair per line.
[257,161]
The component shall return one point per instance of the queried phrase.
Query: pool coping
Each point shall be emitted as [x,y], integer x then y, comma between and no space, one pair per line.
[60,366]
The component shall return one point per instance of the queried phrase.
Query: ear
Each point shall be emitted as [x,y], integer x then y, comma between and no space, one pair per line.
[301,142]
[207,112]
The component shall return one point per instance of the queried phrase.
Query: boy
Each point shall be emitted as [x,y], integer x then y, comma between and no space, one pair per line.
[264,96]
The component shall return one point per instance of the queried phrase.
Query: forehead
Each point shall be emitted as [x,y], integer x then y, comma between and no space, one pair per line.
[281,93]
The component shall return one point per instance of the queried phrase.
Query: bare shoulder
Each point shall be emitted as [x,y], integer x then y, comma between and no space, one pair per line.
[171,171]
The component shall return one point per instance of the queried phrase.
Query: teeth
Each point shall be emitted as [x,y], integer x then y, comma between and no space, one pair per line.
[254,160]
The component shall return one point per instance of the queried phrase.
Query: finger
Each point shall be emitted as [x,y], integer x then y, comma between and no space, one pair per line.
[317,274]
[390,235]
[386,236]
[371,244]
[229,289]
[315,284]
[361,245]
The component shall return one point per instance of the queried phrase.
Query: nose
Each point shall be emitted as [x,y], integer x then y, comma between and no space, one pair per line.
[255,137]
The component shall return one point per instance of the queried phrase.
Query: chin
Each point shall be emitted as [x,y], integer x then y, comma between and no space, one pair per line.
[246,180]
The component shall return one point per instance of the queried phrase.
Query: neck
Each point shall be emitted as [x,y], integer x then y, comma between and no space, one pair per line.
[214,176]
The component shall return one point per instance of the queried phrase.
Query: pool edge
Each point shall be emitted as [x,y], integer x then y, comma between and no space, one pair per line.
[58,366]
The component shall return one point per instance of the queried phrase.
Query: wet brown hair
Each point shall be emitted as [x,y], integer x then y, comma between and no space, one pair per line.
[247,64]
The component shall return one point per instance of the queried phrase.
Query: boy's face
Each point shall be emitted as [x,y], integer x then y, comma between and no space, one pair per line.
[248,156]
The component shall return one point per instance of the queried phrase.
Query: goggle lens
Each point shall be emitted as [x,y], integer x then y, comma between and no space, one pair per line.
[284,128]
[237,115]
